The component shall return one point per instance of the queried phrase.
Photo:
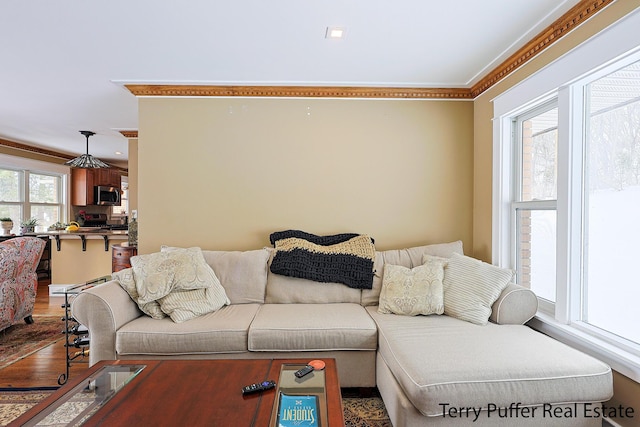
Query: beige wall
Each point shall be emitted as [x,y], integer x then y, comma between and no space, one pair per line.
[225,173]
[626,391]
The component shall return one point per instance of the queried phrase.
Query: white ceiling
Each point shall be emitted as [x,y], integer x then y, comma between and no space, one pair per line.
[63,63]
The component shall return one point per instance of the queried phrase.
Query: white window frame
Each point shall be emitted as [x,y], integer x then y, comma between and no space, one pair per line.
[28,203]
[516,189]
[562,79]
[27,166]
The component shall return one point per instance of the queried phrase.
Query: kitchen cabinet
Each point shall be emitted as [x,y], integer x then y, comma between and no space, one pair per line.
[83,182]
[108,177]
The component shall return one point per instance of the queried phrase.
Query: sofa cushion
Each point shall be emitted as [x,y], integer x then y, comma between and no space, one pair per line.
[289,290]
[413,291]
[409,257]
[243,274]
[224,331]
[471,287]
[312,327]
[440,359]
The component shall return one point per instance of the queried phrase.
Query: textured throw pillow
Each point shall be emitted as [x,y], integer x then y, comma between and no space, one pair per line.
[178,282]
[186,305]
[127,281]
[471,287]
[159,273]
[412,291]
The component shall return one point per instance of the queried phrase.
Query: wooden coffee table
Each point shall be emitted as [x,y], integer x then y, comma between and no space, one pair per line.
[185,392]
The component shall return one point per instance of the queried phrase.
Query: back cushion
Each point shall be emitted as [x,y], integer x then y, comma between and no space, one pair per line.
[242,274]
[289,290]
[409,257]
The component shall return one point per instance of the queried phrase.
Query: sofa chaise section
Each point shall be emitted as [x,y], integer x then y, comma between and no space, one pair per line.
[463,365]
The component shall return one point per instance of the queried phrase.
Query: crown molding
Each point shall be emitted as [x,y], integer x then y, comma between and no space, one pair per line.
[131,134]
[562,26]
[37,150]
[298,91]
[575,16]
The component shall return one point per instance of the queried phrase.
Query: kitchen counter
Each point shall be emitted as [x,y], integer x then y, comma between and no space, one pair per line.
[82,255]
[84,234]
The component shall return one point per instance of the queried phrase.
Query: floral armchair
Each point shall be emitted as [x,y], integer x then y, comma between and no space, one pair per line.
[19,258]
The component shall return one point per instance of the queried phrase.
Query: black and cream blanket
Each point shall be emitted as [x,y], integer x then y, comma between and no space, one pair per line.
[341,258]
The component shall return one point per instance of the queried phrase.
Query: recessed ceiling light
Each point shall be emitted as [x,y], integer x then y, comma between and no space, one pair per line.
[334,33]
[118,152]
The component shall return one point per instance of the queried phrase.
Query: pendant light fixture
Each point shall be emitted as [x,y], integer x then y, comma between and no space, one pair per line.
[87,161]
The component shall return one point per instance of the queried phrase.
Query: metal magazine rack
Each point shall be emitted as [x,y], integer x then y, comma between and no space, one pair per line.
[76,335]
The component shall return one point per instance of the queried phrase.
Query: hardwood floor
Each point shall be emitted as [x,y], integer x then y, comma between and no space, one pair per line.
[42,368]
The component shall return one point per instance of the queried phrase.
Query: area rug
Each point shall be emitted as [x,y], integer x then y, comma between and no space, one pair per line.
[358,411]
[15,403]
[21,340]
[365,412]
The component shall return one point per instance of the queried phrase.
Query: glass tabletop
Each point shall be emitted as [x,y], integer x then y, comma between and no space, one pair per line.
[77,288]
[300,401]
[76,406]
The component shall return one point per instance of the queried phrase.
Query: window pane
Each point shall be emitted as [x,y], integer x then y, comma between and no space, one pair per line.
[10,185]
[44,188]
[122,209]
[537,252]
[124,200]
[46,216]
[539,157]
[15,213]
[612,199]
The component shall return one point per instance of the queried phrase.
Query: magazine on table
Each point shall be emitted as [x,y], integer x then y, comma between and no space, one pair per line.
[298,411]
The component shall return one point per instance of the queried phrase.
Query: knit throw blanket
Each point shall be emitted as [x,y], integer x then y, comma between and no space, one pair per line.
[341,258]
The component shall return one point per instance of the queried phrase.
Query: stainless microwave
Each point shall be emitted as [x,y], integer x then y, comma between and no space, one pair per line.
[106,195]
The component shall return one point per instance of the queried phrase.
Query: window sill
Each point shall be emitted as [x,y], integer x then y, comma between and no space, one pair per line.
[622,361]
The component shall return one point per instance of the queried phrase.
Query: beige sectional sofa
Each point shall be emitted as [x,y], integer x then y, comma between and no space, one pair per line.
[433,369]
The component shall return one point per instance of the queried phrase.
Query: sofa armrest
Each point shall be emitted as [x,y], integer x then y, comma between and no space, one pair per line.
[103,309]
[515,306]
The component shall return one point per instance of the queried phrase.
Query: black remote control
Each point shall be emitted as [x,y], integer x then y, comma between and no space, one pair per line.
[254,388]
[304,371]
